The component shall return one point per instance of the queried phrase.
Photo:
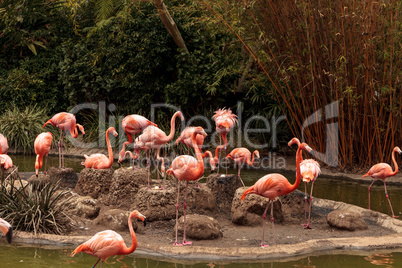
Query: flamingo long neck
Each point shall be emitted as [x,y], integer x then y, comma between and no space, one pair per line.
[197,153]
[252,161]
[207,153]
[220,147]
[396,165]
[172,127]
[131,249]
[299,159]
[109,149]
[74,131]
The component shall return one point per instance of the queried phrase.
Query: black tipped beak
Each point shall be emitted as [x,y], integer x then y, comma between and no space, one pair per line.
[9,235]
[119,164]
[214,171]
[145,222]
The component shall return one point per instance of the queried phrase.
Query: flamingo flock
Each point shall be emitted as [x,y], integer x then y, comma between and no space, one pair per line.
[184,168]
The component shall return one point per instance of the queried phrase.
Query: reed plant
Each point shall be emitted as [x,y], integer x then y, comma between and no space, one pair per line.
[33,210]
[21,126]
[318,52]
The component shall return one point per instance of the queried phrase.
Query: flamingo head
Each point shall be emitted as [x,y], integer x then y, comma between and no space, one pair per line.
[294,141]
[122,155]
[398,150]
[136,214]
[305,147]
[81,128]
[257,154]
[113,131]
[200,131]
[179,113]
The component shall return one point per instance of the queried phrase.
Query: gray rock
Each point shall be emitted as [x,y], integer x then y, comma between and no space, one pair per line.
[94,182]
[115,219]
[200,227]
[249,211]
[346,220]
[223,187]
[81,206]
[67,177]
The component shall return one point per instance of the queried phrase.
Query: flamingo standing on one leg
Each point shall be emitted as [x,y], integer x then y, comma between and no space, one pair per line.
[273,185]
[153,137]
[101,161]
[185,138]
[7,229]
[3,144]
[109,243]
[65,122]
[224,121]
[309,170]
[133,124]
[242,156]
[382,171]
[187,168]
[42,145]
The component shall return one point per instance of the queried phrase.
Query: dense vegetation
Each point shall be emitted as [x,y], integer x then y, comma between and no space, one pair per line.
[276,57]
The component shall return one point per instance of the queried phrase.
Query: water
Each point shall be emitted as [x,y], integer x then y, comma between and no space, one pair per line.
[18,256]
[348,191]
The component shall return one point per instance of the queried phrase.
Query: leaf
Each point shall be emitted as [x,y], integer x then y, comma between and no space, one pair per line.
[32,48]
[39,43]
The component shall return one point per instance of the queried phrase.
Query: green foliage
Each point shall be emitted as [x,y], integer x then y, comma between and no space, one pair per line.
[33,210]
[22,126]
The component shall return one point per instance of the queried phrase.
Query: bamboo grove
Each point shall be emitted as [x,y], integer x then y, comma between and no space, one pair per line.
[318,52]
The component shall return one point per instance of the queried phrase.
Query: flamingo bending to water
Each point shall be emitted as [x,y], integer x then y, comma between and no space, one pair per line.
[242,156]
[187,168]
[109,243]
[65,122]
[42,145]
[101,161]
[381,171]
[309,169]
[273,185]
[133,124]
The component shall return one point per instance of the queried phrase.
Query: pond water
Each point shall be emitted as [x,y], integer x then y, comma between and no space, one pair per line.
[348,191]
[18,256]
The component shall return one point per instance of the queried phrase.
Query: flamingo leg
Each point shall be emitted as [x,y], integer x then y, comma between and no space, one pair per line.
[305,204]
[238,174]
[177,215]
[148,156]
[369,190]
[93,266]
[311,202]
[59,144]
[220,143]
[184,212]
[389,201]
[264,216]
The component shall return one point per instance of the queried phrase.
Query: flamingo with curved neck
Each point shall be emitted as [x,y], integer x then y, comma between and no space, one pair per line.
[187,168]
[109,243]
[381,171]
[101,161]
[273,185]
[242,156]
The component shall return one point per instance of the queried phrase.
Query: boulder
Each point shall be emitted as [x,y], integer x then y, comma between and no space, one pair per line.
[125,185]
[67,177]
[199,227]
[346,220]
[115,219]
[223,187]
[94,182]
[80,206]
[249,211]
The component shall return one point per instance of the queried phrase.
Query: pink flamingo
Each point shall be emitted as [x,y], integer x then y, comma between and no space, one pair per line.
[5,161]
[7,229]
[185,138]
[224,121]
[101,161]
[133,124]
[108,243]
[382,171]
[153,137]
[309,170]
[273,185]
[42,146]
[65,122]
[242,156]
[187,168]
[3,144]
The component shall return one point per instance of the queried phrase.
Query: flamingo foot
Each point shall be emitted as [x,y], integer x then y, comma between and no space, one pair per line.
[395,217]
[177,244]
[307,226]
[187,242]
[264,245]
[198,186]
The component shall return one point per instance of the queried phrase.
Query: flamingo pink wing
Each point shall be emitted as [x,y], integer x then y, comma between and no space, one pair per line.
[380,171]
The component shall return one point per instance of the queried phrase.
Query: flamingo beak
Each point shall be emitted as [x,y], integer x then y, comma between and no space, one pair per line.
[9,234]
